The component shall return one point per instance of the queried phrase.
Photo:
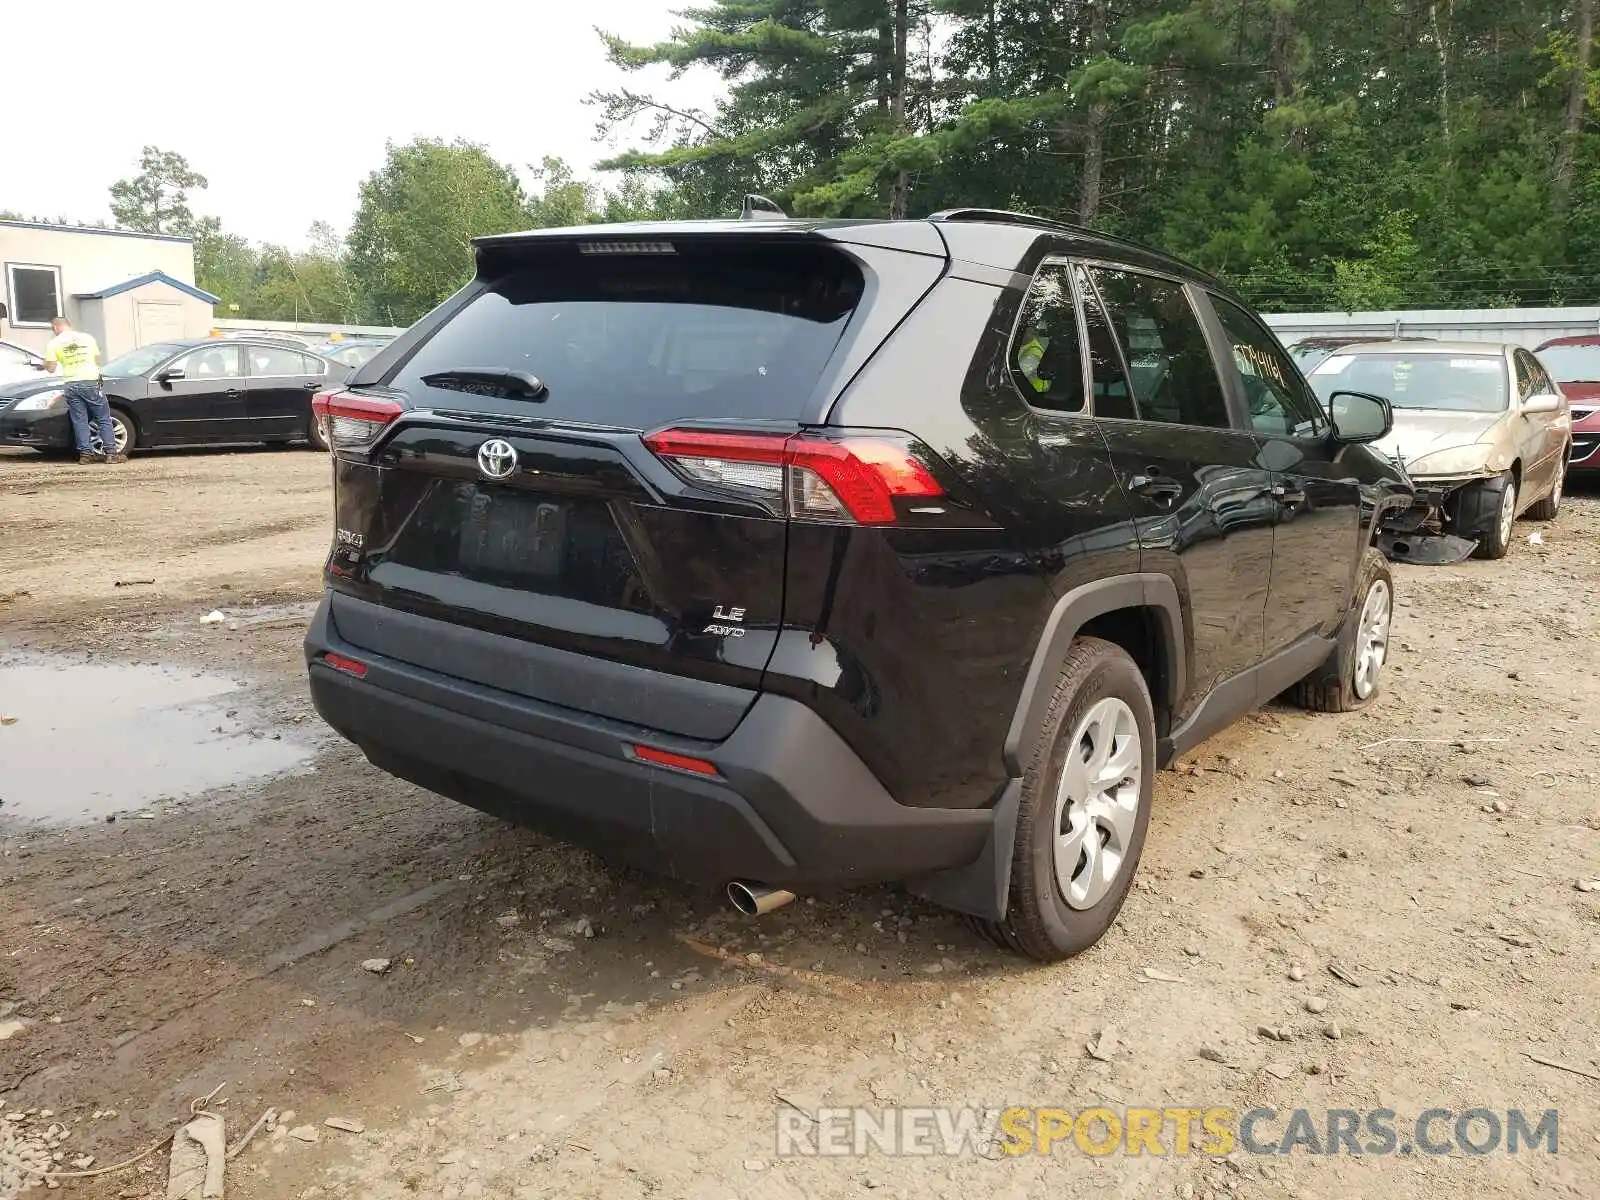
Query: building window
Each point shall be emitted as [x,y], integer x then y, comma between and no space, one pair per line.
[35,293]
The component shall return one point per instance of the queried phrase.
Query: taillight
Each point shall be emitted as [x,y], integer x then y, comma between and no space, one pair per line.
[853,479]
[352,422]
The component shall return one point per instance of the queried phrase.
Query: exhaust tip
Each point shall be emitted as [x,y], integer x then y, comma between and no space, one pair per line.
[754,900]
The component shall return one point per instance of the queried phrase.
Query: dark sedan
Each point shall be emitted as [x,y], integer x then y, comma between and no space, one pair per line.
[184,393]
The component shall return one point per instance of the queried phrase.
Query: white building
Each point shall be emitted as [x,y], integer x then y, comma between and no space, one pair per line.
[127,289]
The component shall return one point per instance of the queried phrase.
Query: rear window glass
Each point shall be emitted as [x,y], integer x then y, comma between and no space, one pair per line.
[640,340]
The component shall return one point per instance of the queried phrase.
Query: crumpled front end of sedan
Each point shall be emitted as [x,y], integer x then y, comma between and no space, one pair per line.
[1447,517]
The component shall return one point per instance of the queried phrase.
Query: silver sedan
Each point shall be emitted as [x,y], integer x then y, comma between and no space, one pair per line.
[1481,429]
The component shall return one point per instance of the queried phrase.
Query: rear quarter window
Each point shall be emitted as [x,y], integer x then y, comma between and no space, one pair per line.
[641,340]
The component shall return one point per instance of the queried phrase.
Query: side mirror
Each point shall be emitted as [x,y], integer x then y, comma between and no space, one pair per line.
[1358,417]
[1544,402]
[170,374]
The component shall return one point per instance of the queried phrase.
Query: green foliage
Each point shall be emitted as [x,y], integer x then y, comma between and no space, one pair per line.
[156,200]
[411,243]
[1316,153]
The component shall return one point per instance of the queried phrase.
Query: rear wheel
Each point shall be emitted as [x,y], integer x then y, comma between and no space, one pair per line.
[1352,676]
[1550,507]
[314,434]
[1085,807]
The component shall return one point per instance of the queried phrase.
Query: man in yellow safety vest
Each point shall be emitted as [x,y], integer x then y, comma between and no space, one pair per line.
[1030,356]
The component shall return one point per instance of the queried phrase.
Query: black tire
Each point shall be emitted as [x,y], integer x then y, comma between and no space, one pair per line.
[122,419]
[1481,507]
[1040,922]
[314,435]
[1334,686]
[1549,508]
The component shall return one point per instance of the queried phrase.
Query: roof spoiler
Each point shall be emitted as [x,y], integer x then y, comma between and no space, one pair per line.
[759,208]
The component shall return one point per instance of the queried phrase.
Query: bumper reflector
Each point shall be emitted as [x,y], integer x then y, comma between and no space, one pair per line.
[348,665]
[680,762]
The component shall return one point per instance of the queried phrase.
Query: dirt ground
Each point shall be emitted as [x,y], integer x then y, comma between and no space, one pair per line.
[552,1026]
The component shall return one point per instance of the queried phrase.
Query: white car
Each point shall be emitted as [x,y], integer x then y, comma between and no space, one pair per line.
[17,362]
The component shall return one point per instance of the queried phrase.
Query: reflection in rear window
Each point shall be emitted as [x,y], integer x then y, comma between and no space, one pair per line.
[639,340]
[1448,382]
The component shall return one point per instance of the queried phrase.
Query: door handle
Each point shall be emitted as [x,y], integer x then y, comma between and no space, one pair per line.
[1161,488]
[310,387]
[1288,496]
[232,392]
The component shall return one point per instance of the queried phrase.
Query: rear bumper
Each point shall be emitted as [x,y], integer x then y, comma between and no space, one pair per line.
[792,804]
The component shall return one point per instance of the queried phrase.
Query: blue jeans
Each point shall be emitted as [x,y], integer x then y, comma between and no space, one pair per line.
[85,400]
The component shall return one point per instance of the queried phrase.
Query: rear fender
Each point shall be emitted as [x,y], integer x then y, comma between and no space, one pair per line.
[983,887]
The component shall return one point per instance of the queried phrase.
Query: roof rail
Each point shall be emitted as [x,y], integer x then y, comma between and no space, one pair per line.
[759,208]
[1003,216]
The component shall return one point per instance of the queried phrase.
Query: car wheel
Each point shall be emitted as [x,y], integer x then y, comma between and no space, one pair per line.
[122,429]
[1496,501]
[1353,674]
[1550,507]
[314,434]
[1084,809]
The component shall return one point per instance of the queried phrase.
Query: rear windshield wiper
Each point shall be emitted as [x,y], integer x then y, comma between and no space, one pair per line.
[512,385]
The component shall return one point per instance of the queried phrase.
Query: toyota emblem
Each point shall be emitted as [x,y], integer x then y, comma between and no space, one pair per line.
[497,459]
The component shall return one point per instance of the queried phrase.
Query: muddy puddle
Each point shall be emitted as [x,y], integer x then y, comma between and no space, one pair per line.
[84,740]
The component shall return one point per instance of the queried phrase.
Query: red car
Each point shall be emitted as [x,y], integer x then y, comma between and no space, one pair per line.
[1574,363]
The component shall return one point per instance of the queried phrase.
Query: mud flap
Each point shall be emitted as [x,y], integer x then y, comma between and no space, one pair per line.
[982,888]
[1426,549]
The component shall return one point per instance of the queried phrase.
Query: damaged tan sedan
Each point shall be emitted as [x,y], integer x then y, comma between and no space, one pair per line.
[1481,430]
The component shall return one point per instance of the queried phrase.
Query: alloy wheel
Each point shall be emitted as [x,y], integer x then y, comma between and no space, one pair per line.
[119,433]
[1508,511]
[1097,803]
[1372,639]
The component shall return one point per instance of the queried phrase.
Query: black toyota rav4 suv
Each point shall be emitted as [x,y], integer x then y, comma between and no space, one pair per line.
[798,554]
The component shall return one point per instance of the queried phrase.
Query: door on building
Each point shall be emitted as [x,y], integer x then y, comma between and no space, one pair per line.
[157,321]
[281,383]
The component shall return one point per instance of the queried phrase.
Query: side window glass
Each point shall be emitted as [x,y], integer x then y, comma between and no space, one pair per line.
[1046,358]
[1276,397]
[310,366]
[213,362]
[272,360]
[1169,361]
[1112,395]
[1544,382]
[1529,375]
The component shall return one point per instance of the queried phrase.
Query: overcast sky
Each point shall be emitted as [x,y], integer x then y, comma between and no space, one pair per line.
[285,107]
